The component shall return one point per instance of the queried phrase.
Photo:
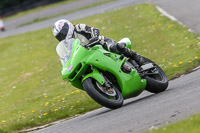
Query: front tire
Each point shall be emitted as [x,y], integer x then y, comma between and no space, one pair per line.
[92,88]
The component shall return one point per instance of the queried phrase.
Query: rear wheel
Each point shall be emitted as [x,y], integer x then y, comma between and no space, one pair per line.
[157,81]
[108,97]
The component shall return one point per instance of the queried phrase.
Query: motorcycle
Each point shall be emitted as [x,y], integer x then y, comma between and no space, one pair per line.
[109,78]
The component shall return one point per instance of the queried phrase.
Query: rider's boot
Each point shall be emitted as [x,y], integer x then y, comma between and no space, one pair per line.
[131,54]
[139,59]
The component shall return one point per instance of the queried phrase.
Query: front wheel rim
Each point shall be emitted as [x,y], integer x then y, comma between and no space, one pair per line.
[110,92]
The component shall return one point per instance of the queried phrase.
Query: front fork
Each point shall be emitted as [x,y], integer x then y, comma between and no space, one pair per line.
[95,74]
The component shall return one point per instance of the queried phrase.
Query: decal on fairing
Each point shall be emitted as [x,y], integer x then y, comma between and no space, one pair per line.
[70,68]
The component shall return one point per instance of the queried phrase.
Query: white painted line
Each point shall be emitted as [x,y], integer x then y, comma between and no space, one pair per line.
[196,68]
[165,13]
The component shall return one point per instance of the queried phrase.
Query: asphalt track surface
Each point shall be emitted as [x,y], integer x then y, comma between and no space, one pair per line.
[139,114]
[185,11]
[73,16]
[146,111]
[14,23]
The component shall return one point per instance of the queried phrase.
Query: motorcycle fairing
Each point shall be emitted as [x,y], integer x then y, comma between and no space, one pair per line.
[100,59]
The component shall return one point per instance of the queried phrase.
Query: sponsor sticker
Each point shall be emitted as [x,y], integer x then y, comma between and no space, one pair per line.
[70,68]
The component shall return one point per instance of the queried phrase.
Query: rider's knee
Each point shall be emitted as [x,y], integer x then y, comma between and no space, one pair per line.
[121,46]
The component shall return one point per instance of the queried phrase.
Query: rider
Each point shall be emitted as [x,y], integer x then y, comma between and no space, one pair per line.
[65,30]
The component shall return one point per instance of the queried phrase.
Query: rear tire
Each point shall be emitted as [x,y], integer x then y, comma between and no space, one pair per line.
[94,92]
[156,83]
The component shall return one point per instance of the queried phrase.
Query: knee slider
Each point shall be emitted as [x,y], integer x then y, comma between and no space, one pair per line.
[121,47]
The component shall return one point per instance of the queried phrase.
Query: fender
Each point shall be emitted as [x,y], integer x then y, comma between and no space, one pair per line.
[95,75]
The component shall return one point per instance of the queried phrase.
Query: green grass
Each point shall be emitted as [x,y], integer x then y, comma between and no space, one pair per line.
[190,125]
[32,92]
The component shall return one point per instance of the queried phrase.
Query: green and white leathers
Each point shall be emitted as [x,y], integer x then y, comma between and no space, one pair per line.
[107,77]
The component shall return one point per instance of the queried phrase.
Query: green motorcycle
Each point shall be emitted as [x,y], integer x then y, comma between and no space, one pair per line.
[109,78]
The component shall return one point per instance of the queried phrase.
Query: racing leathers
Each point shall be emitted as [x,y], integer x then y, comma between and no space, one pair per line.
[88,35]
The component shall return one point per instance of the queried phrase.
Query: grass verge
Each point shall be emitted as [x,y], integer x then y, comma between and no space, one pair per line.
[190,125]
[32,92]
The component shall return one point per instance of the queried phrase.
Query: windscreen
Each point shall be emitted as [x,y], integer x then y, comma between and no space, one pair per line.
[64,50]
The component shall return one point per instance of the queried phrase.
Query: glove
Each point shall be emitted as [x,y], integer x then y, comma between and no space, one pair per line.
[94,36]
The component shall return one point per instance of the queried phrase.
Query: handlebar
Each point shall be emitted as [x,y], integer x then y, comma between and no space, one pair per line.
[87,46]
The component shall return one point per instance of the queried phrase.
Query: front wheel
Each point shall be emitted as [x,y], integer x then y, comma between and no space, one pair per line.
[157,81]
[110,98]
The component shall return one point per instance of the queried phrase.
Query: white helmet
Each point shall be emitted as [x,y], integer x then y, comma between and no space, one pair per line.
[63,29]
